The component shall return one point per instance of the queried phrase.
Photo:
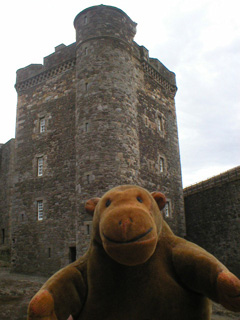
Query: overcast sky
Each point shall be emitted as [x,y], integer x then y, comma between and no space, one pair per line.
[198,40]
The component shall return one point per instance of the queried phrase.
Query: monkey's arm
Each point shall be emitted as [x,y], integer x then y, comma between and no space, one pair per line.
[61,296]
[201,272]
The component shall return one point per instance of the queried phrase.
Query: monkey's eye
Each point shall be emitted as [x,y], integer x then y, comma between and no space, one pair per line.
[108,202]
[139,199]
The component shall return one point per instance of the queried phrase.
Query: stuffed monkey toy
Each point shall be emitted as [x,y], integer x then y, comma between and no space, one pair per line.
[136,269]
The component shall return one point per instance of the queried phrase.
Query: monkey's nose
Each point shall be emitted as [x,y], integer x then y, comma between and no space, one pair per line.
[125,223]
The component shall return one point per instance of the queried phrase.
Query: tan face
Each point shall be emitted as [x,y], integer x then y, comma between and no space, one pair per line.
[129,222]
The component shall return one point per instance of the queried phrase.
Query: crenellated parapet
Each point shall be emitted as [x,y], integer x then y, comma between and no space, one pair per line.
[62,60]
[156,75]
[36,74]
[45,75]
[99,22]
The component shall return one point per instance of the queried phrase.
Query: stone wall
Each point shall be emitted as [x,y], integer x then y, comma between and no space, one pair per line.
[212,210]
[45,130]
[158,142]
[6,190]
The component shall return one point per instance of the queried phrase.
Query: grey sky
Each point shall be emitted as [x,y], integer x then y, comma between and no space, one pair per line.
[198,40]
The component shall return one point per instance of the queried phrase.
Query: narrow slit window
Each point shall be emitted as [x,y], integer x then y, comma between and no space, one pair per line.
[86,126]
[86,86]
[88,178]
[88,228]
[160,123]
[167,210]
[85,19]
[40,209]
[42,126]
[86,51]
[40,167]
[161,164]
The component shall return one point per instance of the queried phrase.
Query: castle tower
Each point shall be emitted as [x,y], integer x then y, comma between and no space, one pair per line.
[98,113]
[107,146]
[126,129]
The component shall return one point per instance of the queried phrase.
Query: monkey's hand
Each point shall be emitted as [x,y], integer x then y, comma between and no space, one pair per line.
[41,307]
[228,287]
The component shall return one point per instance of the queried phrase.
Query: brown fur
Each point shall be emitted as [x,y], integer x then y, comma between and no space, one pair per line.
[136,269]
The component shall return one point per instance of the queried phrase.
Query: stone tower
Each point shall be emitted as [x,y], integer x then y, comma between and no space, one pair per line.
[107,142]
[96,114]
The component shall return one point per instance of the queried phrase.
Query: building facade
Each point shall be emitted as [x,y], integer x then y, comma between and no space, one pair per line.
[98,113]
[212,210]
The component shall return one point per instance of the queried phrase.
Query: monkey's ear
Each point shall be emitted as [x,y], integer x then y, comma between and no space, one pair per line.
[91,205]
[160,199]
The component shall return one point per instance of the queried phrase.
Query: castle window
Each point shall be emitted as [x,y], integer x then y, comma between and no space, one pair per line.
[3,236]
[40,209]
[86,126]
[161,164]
[85,20]
[88,227]
[86,51]
[160,123]
[88,178]
[42,126]
[40,167]
[86,86]
[167,210]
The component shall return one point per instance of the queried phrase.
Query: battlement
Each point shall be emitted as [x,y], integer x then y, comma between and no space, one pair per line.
[159,78]
[161,69]
[93,23]
[225,177]
[60,61]
[64,59]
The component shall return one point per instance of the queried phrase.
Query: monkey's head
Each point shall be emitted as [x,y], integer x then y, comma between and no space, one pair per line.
[127,222]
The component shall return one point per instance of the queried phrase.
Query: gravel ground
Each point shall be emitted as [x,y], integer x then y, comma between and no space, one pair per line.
[16,290]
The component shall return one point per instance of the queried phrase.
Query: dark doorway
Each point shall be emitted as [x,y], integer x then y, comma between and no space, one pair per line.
[72,254]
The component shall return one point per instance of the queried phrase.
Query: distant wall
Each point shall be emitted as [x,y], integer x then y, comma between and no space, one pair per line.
[6,189]
[212,210]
